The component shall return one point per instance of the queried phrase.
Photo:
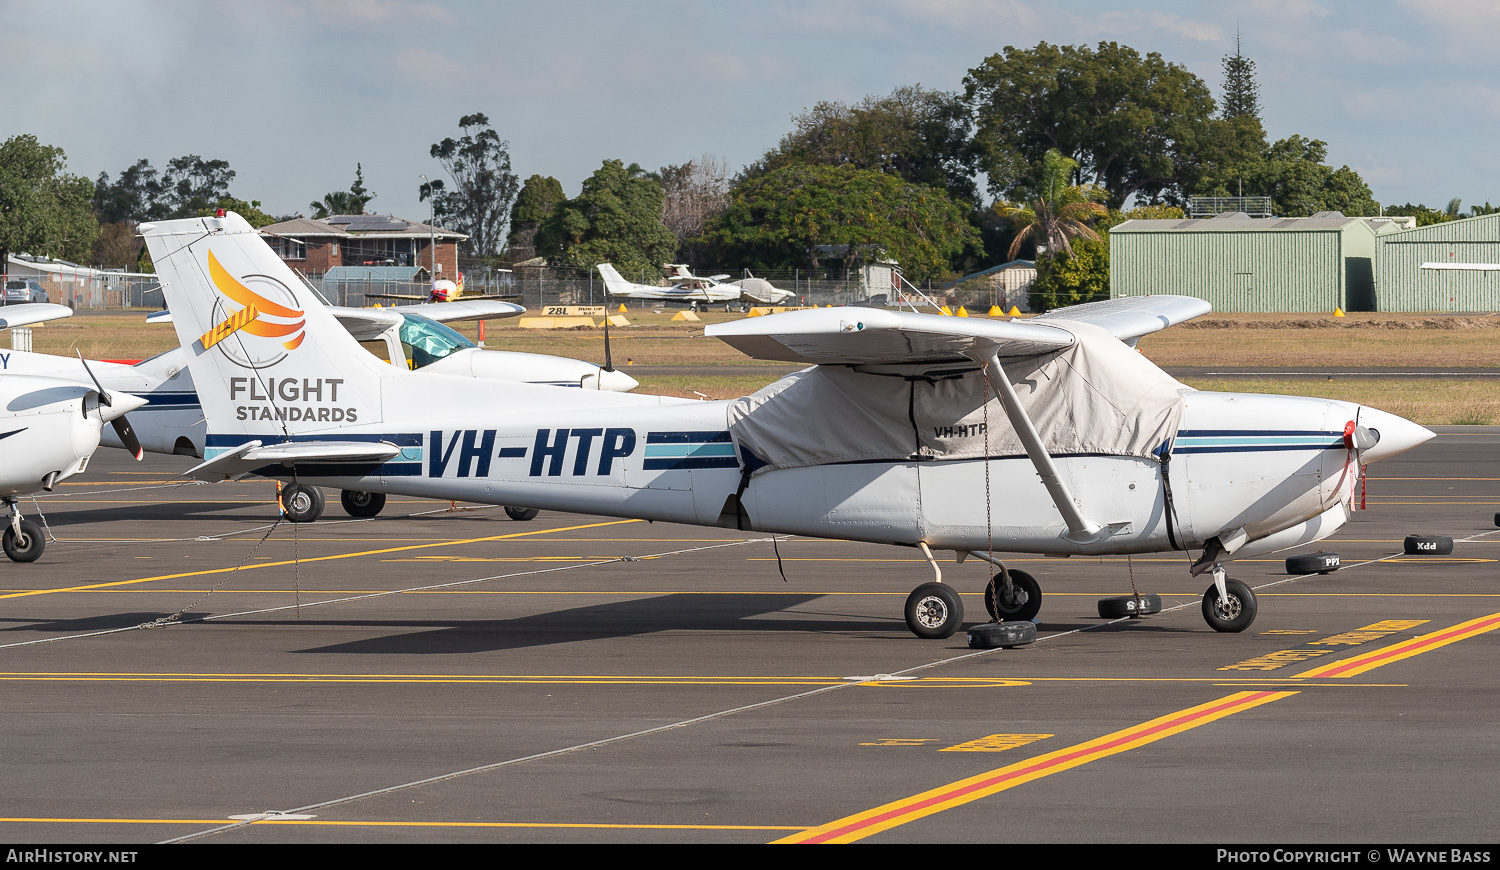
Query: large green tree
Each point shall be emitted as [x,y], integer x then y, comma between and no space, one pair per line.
[615,219]
[1293,174]
[44,210]
[1135,124]
[478,204]
[189,185]
[917,134]
[778,220]
[536,201]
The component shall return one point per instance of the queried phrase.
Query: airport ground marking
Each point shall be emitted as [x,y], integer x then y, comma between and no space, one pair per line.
[299,606]
[882,818]
[1368,661]
[272,820]
[310,559]
[1281,658]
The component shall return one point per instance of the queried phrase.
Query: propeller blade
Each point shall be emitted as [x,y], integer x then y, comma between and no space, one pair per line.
[104,398]
[609,365]
[127,437]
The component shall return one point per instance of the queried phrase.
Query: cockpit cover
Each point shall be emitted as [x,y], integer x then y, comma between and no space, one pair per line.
[1097,397]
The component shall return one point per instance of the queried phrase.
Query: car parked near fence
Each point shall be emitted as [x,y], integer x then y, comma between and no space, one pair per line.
[24,290]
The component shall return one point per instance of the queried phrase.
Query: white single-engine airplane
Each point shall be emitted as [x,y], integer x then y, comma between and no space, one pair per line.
[411,336]
[49,427]
[1051,436]
[694,290]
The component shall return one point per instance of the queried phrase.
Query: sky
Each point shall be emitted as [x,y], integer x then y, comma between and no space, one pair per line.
[294,93]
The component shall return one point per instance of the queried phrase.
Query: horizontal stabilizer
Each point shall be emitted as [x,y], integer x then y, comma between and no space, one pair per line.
[1130,317]
[253,454]
[861,336]
[26,313]
[366,323]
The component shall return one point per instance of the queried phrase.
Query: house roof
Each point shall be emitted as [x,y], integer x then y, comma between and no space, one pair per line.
[368,226]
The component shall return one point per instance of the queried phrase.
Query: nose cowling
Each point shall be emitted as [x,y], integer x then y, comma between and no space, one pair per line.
[1395,434]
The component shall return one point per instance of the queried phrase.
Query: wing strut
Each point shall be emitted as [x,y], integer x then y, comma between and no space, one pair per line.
[1081,530]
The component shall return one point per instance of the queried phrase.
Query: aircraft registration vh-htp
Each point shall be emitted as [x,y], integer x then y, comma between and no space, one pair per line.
[1051,436]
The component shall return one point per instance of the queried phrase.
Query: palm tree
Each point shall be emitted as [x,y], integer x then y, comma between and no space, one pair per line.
[1058,212]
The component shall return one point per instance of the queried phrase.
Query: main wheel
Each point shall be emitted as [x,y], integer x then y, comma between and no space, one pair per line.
[362,504]
[1024,602]
[933,610]
[521,515]
[1235,612]
[27,546]
[301,504]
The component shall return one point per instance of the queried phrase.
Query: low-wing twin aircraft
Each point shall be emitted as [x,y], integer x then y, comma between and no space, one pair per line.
[693,289]
[1051,436]
[49,427]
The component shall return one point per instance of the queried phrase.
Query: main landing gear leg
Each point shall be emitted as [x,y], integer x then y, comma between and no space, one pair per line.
[934,610]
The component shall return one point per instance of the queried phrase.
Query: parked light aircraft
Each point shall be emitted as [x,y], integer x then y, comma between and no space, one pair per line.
[49,427]
[444,290]
[1051,436]
[694,290]
[412,336]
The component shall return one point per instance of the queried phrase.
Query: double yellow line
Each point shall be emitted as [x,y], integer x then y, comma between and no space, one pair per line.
[896,813]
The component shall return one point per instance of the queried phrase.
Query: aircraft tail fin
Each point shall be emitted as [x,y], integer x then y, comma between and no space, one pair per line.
[613,283]
[267,356]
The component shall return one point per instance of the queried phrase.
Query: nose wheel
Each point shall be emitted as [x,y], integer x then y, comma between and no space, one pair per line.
[1228,605]
[22,540]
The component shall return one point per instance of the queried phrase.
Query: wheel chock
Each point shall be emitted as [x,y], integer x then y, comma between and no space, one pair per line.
[993,635]
[1129,605]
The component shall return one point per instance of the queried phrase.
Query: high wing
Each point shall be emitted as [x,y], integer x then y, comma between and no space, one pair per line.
[865,336]
[253,454]
[364,323]
[1128,318]
[31,312]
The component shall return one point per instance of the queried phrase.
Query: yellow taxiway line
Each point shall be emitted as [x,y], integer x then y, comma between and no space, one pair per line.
[258,565]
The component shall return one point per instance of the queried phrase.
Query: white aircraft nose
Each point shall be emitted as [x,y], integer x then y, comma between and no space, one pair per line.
[617,381]
[1397,434]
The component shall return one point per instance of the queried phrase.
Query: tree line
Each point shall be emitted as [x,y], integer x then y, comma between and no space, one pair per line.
[1040,150]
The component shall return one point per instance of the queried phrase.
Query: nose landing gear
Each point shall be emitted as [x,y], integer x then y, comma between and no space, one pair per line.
[23,540]
[1228,605]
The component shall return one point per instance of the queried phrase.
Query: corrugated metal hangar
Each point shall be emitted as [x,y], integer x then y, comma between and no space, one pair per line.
[1462,267]
[1240,263]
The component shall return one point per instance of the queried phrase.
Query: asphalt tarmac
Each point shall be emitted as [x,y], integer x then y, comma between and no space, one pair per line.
[438,675]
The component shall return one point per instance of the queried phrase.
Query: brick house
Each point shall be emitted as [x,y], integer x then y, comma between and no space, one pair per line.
[312,246]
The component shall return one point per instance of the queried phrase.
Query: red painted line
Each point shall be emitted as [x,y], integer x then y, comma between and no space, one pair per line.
[1410,646]
[1126,737]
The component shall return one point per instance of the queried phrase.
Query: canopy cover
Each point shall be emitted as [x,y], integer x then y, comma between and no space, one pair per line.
[1097,397]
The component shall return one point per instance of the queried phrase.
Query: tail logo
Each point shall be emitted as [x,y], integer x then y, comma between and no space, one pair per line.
[252,318]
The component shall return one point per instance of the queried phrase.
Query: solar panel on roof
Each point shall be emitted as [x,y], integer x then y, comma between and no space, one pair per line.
[376,223]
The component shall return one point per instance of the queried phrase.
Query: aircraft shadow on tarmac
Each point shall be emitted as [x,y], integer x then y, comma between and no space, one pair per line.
[165,512]
[101,622]
[596,622]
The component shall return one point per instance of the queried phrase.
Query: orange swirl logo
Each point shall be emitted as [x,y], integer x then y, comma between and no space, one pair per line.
[257,305]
